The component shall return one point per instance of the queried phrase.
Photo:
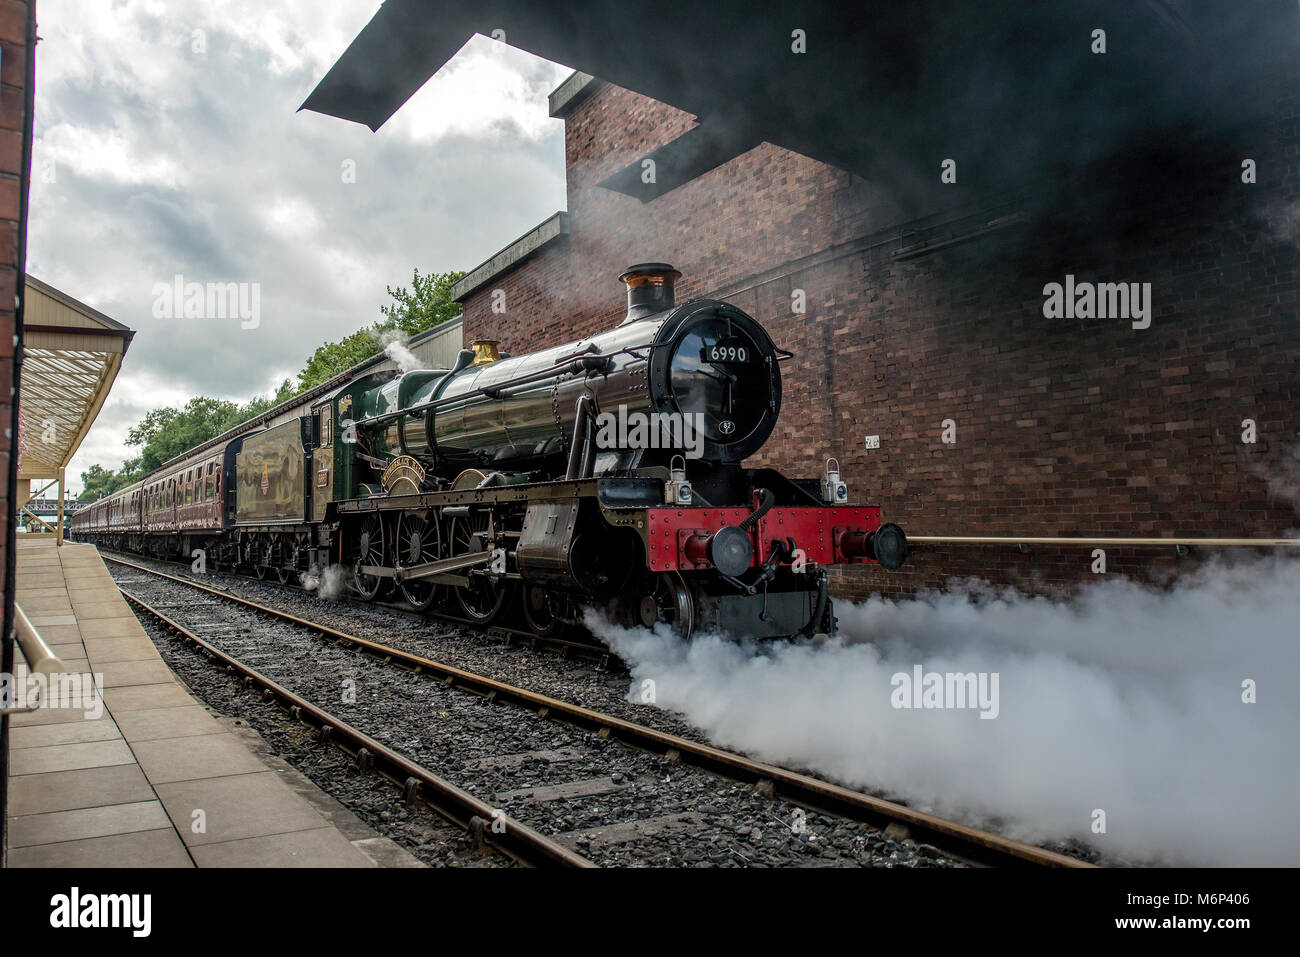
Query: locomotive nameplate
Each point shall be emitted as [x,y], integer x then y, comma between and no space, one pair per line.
[403,475]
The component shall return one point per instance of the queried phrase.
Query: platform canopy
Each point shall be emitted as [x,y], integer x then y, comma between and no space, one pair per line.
[71,355]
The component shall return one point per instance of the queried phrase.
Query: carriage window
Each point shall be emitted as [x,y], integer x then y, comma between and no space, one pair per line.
[325,422]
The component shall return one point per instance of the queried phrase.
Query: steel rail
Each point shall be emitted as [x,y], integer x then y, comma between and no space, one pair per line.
[599,653]
[970,843]
[517,840]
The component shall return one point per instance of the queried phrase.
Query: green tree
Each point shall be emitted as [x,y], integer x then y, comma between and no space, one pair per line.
[334,357]
[428,303]
[425,304]
[165,433]
[262,403]
[97,481]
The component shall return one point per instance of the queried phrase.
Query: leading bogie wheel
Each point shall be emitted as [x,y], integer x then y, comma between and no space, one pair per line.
[667,599]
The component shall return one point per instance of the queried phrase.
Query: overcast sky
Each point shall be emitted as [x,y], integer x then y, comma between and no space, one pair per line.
[151,160]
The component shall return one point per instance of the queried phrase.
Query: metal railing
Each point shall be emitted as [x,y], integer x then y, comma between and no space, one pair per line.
[41,659]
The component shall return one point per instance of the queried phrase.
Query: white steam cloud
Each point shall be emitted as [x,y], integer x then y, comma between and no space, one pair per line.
[331,582]
[1283,477]
[395,349]
[1125,700]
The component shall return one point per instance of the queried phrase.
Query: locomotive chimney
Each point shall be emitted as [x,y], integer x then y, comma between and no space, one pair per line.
[649,289]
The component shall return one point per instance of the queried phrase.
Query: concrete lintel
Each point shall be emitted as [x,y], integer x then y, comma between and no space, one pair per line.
[514,254]
[576,88]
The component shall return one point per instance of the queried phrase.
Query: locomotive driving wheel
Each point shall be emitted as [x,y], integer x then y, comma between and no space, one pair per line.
[482,599]
[370,551]
[667,600]
[418,543]
[545,611]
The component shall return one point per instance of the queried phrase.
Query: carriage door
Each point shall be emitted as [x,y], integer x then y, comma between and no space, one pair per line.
[322,461]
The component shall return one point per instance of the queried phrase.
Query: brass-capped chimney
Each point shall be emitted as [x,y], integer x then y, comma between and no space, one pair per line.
[649,289]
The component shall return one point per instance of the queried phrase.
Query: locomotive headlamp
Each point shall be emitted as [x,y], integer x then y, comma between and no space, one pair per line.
[834,492]
[677,490]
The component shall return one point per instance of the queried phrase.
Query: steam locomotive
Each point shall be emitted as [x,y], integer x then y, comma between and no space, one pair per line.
[602,473]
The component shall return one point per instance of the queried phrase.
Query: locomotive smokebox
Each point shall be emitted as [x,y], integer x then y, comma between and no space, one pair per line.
[649,289]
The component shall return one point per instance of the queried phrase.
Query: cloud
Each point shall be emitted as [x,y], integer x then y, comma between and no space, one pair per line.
[152,160]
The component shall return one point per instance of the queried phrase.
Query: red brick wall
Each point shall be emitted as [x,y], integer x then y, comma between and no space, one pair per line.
[13,107]
[1064,427]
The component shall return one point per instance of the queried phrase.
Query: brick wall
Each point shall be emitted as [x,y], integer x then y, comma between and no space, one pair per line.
[1063,427]
[13,106]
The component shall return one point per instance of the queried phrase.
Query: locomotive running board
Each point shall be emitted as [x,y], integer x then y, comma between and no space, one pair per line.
[427,570]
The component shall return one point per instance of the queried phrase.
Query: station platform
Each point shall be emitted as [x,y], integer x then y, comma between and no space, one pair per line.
[140,774]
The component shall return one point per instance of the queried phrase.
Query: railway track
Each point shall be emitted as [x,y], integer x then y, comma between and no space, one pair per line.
[516,840]
[590,650]
[523,768]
